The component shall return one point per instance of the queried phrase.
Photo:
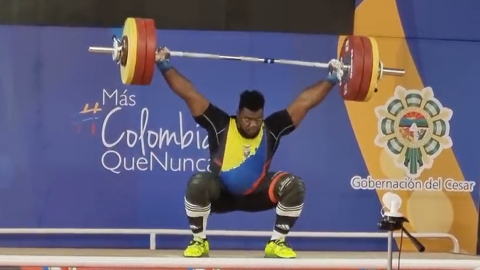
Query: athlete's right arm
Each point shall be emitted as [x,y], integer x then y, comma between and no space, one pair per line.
[180,85]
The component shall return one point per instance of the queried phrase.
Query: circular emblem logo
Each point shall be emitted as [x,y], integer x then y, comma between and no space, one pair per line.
[414,128]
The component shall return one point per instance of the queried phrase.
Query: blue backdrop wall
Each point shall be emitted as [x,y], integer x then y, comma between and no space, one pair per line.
[81,150]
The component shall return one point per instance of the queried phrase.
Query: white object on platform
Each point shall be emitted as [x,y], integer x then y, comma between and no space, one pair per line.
[392,202]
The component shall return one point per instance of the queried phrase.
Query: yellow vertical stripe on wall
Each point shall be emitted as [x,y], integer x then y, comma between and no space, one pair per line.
[428,211]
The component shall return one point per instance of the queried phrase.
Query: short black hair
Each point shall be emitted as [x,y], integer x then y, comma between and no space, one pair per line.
[252,100]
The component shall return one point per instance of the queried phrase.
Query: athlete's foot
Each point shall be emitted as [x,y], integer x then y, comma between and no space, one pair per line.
[279,249]
[197,247]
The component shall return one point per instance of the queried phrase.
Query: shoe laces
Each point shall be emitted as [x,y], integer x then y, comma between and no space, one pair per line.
[281,243]
[197,242]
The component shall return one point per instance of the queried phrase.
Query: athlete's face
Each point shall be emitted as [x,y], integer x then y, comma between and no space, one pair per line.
[249,122]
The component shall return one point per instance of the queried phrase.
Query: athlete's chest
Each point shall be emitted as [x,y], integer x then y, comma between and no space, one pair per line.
[239,149]
[248,149]
[236,144]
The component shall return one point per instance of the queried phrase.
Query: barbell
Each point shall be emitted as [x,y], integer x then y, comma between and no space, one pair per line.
[134,52]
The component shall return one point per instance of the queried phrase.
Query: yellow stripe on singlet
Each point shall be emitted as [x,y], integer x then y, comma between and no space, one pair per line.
[238,148]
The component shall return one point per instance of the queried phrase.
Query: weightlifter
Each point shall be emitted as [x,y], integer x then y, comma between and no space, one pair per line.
[241,149]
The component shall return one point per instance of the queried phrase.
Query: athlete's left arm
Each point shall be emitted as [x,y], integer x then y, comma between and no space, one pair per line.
[315,94]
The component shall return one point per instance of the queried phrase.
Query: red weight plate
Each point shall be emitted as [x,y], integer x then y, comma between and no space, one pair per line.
[151,31]
[141,49]
[367,68]
[351,54]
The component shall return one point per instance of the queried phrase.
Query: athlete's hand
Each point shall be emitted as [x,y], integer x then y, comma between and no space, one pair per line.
[335,68]
[162,53]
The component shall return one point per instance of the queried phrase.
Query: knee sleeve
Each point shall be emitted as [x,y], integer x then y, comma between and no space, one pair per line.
[201,189]
[290,190]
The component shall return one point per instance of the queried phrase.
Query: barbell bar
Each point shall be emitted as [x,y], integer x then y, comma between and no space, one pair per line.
[386,71]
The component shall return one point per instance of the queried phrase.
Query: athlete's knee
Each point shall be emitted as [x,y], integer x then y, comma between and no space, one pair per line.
[201,188]
[291,190]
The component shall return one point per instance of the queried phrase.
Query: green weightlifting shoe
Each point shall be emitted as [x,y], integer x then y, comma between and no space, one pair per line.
[279,249]
[197,247]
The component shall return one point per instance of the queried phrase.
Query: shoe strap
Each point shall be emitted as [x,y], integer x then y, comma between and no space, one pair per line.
[282,243]
[197,241]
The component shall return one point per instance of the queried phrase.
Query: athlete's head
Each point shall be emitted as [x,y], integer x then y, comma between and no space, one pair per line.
[250,113]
